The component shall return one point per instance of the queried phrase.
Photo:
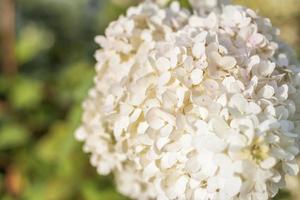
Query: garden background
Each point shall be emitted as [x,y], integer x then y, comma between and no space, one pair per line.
[47,67]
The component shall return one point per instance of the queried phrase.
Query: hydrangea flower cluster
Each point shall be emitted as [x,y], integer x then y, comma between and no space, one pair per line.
[190,106]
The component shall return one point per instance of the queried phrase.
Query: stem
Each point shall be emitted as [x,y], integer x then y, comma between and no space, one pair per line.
[7,15]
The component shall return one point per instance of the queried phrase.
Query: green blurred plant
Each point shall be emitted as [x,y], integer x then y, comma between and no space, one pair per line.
[36,39]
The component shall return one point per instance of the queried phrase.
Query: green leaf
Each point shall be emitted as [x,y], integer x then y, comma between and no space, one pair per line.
[57,144]
[74,82]
[92,192]
[25,93]
[283,195]
[1,183]
[31,41]
[13,135]
[6,197]
[4,84]
[34,192]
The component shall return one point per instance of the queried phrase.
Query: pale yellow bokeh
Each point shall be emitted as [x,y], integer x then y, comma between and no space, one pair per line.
[284,14]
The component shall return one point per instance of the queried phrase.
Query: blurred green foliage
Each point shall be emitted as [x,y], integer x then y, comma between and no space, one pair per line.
[40,107]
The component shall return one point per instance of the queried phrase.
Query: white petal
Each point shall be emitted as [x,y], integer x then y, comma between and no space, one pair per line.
[209,142]
[201,37]
[192,165]
[227,62]
[150,171]
[208,169]
[164,78]
[178,188]
[154,122]
[222,100]
[181,93]
[135,115]
[166,130]
[254,60]
[126,109]
[226,167]
[266,68]
[168,160]
[145,139]
[196,76]
[203,112]
[232,186]
[239,102]
[198,50]
[247,187]
[268,163]
[213,184]
[80,134]
[266,92]
[269,124]
[256,39]
[270,110]
[291,168]
[253,108]
[200,194]
[163,64]
[211,85]
[195,21]
[104,168]
[157,118]
[121,124]
[142,127]
[161,142]
[282,92]
[219,126]
[202,127]
[202,100]
[283,60]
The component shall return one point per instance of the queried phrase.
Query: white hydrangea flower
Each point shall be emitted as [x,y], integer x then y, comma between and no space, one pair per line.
[193,107]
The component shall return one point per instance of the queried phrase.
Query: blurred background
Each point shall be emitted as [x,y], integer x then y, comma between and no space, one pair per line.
[47,66]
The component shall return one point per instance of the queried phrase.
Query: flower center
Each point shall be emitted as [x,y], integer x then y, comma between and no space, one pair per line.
[258,150]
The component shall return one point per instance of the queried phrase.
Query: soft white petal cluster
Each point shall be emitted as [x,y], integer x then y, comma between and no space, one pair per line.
[193,107]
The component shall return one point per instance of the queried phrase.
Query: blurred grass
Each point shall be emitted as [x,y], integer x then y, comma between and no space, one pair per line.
[40,106]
